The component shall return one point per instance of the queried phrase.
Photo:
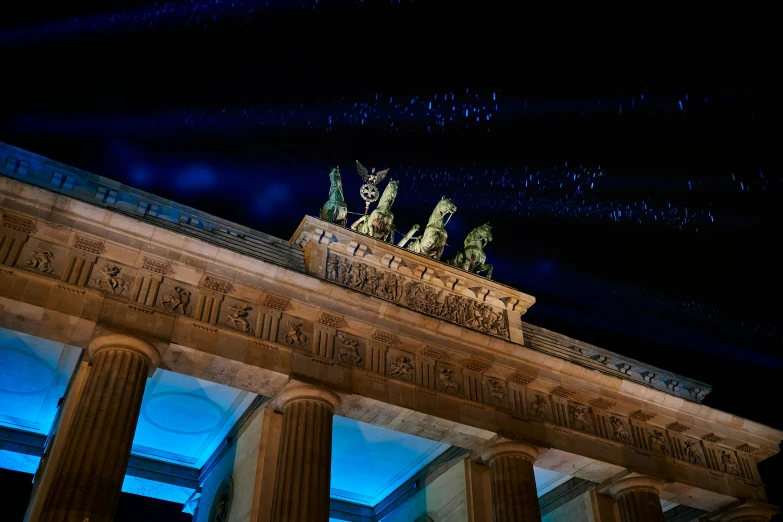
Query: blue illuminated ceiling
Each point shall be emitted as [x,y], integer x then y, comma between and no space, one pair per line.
[183,420]
[34,373]
[369,462]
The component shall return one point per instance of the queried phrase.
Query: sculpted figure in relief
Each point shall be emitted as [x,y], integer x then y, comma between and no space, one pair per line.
[111,279]
[538,407]
[449,385]
[619,432]
[401,367]
[238,317]
[472,257]
[335,210]
[693,452]
[657,440]
[727,462]
[432,242]
[496,390]
[579,418]
[294,335]
[349,351]
[177,301]
[42,261]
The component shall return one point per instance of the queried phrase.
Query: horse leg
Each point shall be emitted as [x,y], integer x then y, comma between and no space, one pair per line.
[488,268]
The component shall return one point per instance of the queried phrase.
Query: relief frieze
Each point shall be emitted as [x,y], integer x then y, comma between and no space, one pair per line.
[419,296]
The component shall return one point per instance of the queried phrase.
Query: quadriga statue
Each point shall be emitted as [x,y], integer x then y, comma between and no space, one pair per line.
[380,223]
[335,210]
[432,242]
[472,257]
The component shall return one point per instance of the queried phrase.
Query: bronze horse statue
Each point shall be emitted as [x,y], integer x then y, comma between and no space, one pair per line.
[472,257]
[380,223]
[335,210]
[433,240]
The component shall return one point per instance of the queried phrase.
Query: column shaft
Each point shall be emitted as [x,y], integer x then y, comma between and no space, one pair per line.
[304,465]
[514,494]
[640,505]
[88,479]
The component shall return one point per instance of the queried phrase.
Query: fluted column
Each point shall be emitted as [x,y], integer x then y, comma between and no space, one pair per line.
[88,478]
[638,498]
[514,496]
[305,460]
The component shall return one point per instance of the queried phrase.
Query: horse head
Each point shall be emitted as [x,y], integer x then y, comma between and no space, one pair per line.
[334,177]
[388,196]
[482,233]
[444,207]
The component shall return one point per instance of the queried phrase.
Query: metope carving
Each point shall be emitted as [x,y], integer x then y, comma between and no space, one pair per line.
[177,300]
[658,442]
[619,433]
[728,463]
[295,336]
[538,407]
[456,308]
[238,318]
[693,452]
[42,262]
[111,280]
[362,277]
[400,367]
[497,391]
[449,384]
[579,418]
[348,351]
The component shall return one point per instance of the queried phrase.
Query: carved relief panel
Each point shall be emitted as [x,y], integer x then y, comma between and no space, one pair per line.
[400,365]
[238,315]
[722,459]
[495,392]
[579,417]
[687,449]
[113,278]
[176,297]
[449,379]
[42,257]
[349,349]
[419,296]
[539,406]
[295,332]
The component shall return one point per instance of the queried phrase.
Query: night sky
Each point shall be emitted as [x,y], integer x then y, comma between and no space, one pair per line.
[628,162]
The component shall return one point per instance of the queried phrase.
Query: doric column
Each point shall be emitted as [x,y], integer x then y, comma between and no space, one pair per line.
[305,460]
[638,498]
[88,478]
[514,496]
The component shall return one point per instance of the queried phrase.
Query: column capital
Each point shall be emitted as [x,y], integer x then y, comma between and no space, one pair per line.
[744,510]
[510,448]
[127,342]
[635,482]
[296,391]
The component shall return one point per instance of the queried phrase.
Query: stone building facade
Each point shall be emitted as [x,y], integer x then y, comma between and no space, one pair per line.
[331,323]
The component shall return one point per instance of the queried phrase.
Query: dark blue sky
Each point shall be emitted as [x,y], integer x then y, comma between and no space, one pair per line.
[629,164]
